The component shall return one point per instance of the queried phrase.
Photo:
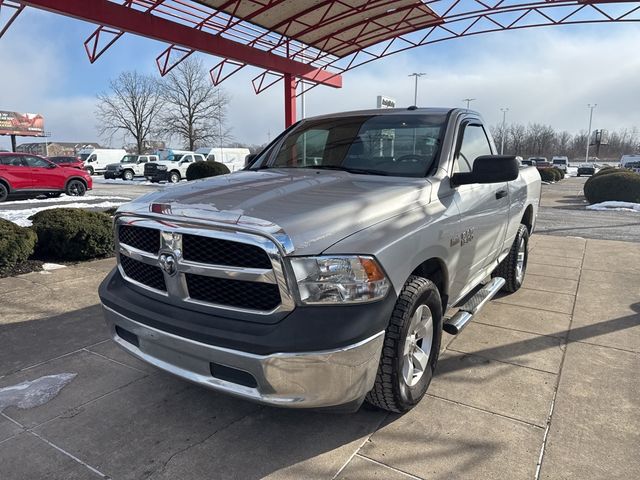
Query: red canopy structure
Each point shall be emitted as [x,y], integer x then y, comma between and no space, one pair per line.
[310,42]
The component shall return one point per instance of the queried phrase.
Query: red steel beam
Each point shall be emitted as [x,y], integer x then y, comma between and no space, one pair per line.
[289,100]
[140,23]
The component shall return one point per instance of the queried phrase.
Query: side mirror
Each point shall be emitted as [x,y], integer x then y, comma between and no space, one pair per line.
[52,165]
[489,169]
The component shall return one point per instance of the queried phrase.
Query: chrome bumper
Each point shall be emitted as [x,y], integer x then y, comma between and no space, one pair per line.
[297,380]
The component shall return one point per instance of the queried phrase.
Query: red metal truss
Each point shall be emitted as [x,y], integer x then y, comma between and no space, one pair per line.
[14,9]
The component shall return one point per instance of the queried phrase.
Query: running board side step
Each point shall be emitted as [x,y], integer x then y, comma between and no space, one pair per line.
[463,316]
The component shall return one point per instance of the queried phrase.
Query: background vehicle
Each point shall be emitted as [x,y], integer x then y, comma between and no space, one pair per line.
[281,285]
[130,166]
[630,162]
[75,162]
[96,159]
[560,163]
[586,169]
[233,158]
[527,163]
[541,162]
[171,170]
[30,174]
[171,154]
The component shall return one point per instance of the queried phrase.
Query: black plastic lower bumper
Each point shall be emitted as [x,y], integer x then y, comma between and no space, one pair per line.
[308,328]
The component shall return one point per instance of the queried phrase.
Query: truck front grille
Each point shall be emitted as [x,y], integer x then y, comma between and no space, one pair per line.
[142,238]
[216,251]
[233,293]
[203,266]
[143,273]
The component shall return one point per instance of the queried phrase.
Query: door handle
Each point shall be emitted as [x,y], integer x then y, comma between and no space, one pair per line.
[500,194]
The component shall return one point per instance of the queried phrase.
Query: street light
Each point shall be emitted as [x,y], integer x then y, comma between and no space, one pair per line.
[590,107]
[468,100]
[415,89]
[504,129]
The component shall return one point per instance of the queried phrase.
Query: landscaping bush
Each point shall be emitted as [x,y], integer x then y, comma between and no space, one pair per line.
[206,169]
[620,186]
[73,234]
[559,174]
[16,244]
[547,174]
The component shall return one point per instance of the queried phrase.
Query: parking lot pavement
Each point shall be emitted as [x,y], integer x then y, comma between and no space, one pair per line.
[562,213]
[543,384]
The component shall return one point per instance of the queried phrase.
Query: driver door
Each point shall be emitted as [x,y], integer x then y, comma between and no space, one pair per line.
[484,208]
[44,175]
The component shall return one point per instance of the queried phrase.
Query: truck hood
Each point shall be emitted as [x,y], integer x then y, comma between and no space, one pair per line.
[310,209]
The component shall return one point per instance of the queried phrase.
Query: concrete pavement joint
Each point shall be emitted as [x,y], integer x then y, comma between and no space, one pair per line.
[635,352]
[519,330]
[344,465]
[115,361]
[498,300]
[455,402]
[559,376]
[397,470]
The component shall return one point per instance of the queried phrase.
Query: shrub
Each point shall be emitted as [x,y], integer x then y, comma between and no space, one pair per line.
[16,244]
[547,174]
[206,169]
[73,234]
[559,174]
[620,186]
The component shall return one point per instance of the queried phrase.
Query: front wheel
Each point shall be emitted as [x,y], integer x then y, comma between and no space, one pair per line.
[174,177]
[411,348]
[127,175]
[76,188]
[514,266]
[4,192]
[90,170]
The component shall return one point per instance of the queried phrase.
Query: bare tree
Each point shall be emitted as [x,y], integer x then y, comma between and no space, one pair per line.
[195,110]
[131,105]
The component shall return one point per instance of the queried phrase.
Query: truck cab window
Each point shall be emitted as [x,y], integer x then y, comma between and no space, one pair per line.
[474,144]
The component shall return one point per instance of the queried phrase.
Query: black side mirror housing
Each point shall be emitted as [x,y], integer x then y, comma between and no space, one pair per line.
[52,165]
[489,169]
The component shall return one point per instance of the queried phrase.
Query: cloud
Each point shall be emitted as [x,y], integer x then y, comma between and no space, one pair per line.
[545,75]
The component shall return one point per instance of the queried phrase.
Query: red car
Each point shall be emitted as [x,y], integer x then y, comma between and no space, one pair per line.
[22,173]
[61,161]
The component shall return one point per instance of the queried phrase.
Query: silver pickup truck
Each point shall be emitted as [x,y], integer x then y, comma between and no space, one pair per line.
[325,273]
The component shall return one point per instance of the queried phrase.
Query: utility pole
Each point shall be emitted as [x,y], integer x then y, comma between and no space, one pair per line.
[590,107]
[468,100]
[415,88]
[504,129]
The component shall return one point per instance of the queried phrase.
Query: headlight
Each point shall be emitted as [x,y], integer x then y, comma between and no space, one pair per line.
[161,167]
[339,279]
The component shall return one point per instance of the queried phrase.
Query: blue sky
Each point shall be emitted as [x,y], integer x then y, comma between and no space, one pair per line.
[543,75]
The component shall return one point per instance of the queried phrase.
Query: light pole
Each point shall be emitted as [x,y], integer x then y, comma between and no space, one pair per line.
[415,88]
[504,129]
[468,100]
[590,107]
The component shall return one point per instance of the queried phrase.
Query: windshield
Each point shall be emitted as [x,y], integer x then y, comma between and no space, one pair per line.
[62,159]
[559,162]
[129,159]
[84,156]
[396,145]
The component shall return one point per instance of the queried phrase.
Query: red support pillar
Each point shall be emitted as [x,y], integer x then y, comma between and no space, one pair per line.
[289,100]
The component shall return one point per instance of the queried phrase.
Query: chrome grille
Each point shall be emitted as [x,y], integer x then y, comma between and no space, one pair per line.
[223,252]
[233,293]
[143,273]
[203,266]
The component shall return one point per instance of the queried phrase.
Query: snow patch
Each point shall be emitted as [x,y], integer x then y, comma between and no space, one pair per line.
[62,198]
[615,206]
[145,182]
[35,392]
[21,217]
[52,266]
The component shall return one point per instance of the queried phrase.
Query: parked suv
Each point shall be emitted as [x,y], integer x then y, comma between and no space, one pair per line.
[130,166]
[171,170]
[30,174]
[560,163]
[67,161]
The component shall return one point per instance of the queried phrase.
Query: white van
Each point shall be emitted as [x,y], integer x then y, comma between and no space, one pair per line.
[233,158]
[560,162]
[631,162]
[96,159]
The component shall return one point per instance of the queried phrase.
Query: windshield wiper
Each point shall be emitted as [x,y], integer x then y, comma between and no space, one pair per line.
[364,171]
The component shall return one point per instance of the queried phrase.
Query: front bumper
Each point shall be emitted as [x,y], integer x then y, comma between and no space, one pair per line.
[318,379]
[159,176]
[113,174]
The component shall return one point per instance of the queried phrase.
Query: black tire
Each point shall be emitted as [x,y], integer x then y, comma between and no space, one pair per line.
[4,192]
[508,268]
[174,177]
[76,188]
[127,175]
[90,170]
[54,194]
[391,391]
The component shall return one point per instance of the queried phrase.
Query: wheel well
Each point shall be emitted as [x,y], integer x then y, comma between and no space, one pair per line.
[75,178]
[435,270]
[527,218]
[6,184]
